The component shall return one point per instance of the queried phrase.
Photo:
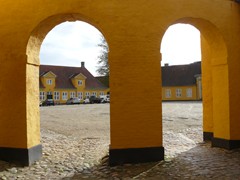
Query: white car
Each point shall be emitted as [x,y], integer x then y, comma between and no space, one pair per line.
[105,99]
[74,100]
[86,101]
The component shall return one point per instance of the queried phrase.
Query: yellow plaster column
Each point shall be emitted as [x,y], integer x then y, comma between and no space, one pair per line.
[207,98]
[136,112]
[19,123]
[234,97]
[221,106]
[226,100]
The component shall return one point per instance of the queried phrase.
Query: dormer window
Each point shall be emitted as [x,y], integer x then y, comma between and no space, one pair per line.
[49,81]
[80,82]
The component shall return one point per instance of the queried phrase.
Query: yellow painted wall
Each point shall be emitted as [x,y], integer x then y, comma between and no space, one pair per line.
[183,94]
[13,121]
[32,101]
[134,30]
[207,84]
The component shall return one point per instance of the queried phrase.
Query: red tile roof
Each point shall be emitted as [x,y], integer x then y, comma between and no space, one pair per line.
[65,73]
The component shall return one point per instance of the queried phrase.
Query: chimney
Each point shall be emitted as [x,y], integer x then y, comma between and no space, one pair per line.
[82,64]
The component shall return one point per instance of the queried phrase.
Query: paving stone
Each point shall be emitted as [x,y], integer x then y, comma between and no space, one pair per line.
[66,156]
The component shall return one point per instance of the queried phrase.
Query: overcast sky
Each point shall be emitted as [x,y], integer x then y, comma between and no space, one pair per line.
[181,45]
[70,43]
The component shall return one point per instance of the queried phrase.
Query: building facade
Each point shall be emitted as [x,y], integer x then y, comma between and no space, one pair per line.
[182,82]
[64,82]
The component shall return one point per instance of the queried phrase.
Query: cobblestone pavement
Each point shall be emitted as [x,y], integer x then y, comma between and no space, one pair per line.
[71,152]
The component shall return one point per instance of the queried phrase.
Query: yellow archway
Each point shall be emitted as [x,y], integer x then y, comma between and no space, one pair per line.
[33,62]
[133,30]
[214,56]
[38,34]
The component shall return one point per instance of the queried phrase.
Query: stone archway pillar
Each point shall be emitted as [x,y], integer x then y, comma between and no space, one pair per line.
[19,122]
[136,113]
[220,100]
[226,106]
[207,91]
[221,106]
[221,72]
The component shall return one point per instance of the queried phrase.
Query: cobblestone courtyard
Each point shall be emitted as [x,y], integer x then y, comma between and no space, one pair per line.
[75,143]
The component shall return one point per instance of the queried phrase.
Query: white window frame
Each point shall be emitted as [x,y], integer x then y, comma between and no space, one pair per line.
[56,95]
[87,94]
[64,95]
[168,93]
[101,93]
[42,96]
[80,82]
[94,94]
[178,92]
[189,92]
[80,95]
[49,81]
[72,94]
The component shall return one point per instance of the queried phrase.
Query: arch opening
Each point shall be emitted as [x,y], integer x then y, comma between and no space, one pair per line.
[61,83]
[213,53]
[39,33]
[181,88]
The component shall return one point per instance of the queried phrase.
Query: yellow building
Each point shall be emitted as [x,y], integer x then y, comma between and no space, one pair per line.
[67,82]
[181,82]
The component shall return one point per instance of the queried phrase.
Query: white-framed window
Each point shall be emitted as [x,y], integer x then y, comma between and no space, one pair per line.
[72,94]
[178,92]
[189,92]
[80,82]
[80,95]
[64,95]
[49,81]
[94,94]
[42,95]
[49,93]
[168,93]
[87,94]
[56,95]
[101,93]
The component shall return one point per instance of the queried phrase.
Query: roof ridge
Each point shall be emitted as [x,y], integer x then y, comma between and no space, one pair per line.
[64,73]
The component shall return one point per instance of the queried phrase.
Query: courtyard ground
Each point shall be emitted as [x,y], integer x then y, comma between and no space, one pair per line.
[75,141]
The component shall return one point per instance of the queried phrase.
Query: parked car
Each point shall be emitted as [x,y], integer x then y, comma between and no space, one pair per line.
[94,99]
[86,101]
[48,102]
[74,100]
[105,99]
[40,103]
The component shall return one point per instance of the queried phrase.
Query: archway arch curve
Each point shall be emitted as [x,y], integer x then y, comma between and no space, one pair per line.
[214,66]
[44,27]
[209,34]
[32,64]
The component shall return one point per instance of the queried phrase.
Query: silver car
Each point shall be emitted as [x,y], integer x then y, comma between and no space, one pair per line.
[74,100]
